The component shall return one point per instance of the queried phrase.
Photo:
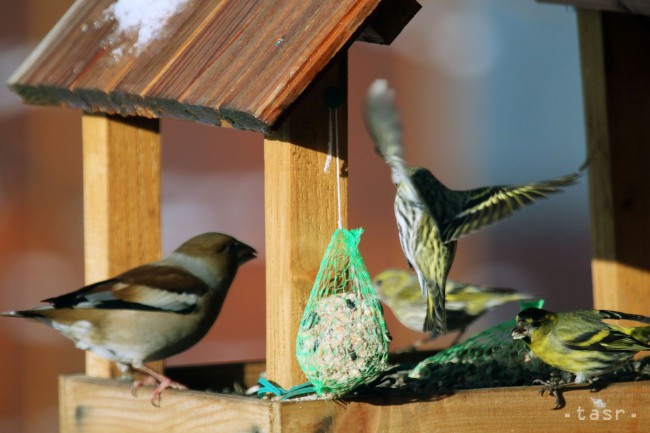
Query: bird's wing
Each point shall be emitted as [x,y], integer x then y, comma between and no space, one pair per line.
[483,206]
[617,315]
[584,330]
[144,288]
[461,289]
[604,340]
[476,300]
[385,127]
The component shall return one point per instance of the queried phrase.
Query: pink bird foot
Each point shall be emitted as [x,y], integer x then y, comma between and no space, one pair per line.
[153,378]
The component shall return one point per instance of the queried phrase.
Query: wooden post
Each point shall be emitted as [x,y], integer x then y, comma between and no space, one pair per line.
[615,56]
[121,158]
[301,214]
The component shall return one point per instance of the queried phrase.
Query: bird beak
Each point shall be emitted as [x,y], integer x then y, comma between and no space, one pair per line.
[245,253]
[519,332]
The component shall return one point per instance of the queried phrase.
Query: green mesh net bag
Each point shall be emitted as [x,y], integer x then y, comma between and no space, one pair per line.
[492,358]
[488,359]
[342,339]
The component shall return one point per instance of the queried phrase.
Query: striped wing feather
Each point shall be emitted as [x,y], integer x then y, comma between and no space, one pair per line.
[166,289]
[588,332]
[483,206]
[605,340]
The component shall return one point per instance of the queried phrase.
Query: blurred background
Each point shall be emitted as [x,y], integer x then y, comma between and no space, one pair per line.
[490,93]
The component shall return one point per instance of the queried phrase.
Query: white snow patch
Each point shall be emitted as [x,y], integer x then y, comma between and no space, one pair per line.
[144,18]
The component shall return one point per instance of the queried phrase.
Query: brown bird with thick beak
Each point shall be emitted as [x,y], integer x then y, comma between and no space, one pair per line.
[152,311]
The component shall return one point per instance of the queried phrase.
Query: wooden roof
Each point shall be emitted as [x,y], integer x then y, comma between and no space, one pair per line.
[236,63]
[639,7]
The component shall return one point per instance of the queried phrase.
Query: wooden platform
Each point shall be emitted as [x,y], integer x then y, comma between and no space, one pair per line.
[106,406]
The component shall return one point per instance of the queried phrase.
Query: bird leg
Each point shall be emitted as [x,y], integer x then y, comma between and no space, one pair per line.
[553,386]
[153,378]
[595,385]
[556,385]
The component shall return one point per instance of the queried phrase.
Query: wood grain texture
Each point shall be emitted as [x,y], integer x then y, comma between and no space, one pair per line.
[99,405]
[615,56]
[494,410]
[640,7]
[236,63]
[121,159]
[301,214]
[92,405]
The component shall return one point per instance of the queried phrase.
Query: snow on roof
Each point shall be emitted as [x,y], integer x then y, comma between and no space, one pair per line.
[141,18]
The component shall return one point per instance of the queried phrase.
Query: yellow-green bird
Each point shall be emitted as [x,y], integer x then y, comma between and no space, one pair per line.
[580,342]
[400,291]
[431,217]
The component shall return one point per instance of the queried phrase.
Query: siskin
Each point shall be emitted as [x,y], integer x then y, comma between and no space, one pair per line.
[399,289]
[152,311]
[580,342]
[430,217]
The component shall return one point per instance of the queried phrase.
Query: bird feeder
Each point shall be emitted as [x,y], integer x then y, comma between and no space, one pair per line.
[264,66]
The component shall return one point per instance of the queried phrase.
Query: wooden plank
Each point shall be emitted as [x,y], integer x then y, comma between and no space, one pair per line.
[237,63]
[301,214]
[98,405]
[92,405]
[484,410]
[615,56]
[639,7]
[121,159]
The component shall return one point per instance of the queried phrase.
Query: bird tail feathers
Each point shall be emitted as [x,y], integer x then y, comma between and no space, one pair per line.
[11,314]
[30,314]
[610,314]
[641,333]
[436,318]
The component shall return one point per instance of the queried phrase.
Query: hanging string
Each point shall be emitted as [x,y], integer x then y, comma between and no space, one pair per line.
[328,161]
[333,140]
[338,168]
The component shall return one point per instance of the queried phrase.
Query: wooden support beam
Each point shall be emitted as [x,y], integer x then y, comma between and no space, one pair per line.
[615,56]
[301,213]
[121,170]
[107,406]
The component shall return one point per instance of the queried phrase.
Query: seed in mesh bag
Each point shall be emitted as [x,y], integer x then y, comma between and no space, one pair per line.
[345,341]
